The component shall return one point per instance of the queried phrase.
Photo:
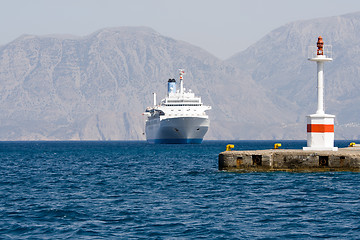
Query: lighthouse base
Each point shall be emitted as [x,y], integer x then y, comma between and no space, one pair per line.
[320,133]
[320,148]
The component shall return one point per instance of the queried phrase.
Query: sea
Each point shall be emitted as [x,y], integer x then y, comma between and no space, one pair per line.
[136,190]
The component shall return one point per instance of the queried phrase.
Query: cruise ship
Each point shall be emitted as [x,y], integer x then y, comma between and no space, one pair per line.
[179,118]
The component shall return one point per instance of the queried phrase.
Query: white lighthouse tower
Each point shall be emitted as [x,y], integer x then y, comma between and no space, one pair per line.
[320,126]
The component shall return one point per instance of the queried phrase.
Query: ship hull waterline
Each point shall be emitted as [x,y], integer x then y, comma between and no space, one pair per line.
[181,130]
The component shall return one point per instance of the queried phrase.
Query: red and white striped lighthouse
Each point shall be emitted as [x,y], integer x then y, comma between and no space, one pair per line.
[320,126]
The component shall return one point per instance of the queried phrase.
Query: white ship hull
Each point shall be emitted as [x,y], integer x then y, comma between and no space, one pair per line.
[177,130]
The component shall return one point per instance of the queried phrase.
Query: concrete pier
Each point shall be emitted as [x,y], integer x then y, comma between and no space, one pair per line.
[291,160]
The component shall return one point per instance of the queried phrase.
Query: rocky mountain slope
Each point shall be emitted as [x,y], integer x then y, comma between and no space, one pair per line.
[278,62]
[96,87]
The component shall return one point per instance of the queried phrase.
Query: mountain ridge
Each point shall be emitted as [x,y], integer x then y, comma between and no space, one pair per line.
[95,87]
[296,81]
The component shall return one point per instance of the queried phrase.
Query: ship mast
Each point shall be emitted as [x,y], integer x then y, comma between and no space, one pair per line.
[154,98]
[181,72]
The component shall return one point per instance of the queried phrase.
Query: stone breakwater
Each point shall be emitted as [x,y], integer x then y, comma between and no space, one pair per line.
[293,160]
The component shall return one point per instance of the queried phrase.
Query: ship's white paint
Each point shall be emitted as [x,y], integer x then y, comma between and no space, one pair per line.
[179,118]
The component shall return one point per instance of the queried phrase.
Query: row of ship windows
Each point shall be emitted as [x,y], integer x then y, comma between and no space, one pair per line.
[175,105]
[185,114]
[179,115]
[186,110]
[182,114]
[173,101]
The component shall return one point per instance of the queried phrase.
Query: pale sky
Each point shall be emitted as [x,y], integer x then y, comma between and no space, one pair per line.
[222,27]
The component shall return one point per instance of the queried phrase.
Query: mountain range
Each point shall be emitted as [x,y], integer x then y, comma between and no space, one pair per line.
[96,87]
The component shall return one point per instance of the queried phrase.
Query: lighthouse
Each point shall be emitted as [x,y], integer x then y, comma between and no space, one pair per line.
[320,126]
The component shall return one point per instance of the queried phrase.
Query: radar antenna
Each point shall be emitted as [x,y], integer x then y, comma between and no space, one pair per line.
[181,73]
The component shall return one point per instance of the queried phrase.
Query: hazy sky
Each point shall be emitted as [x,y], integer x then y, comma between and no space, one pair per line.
[222,27]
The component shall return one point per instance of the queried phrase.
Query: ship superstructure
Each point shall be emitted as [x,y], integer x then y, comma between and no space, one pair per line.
[179,118]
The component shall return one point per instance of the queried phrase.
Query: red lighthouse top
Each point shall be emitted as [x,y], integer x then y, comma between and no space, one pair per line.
[320,46]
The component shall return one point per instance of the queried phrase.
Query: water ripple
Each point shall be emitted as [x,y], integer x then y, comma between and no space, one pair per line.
[125,190]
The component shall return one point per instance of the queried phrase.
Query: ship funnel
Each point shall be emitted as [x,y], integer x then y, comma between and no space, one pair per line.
[171,86]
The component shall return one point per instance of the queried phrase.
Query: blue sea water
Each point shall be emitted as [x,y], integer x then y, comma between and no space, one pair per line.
[135,190]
